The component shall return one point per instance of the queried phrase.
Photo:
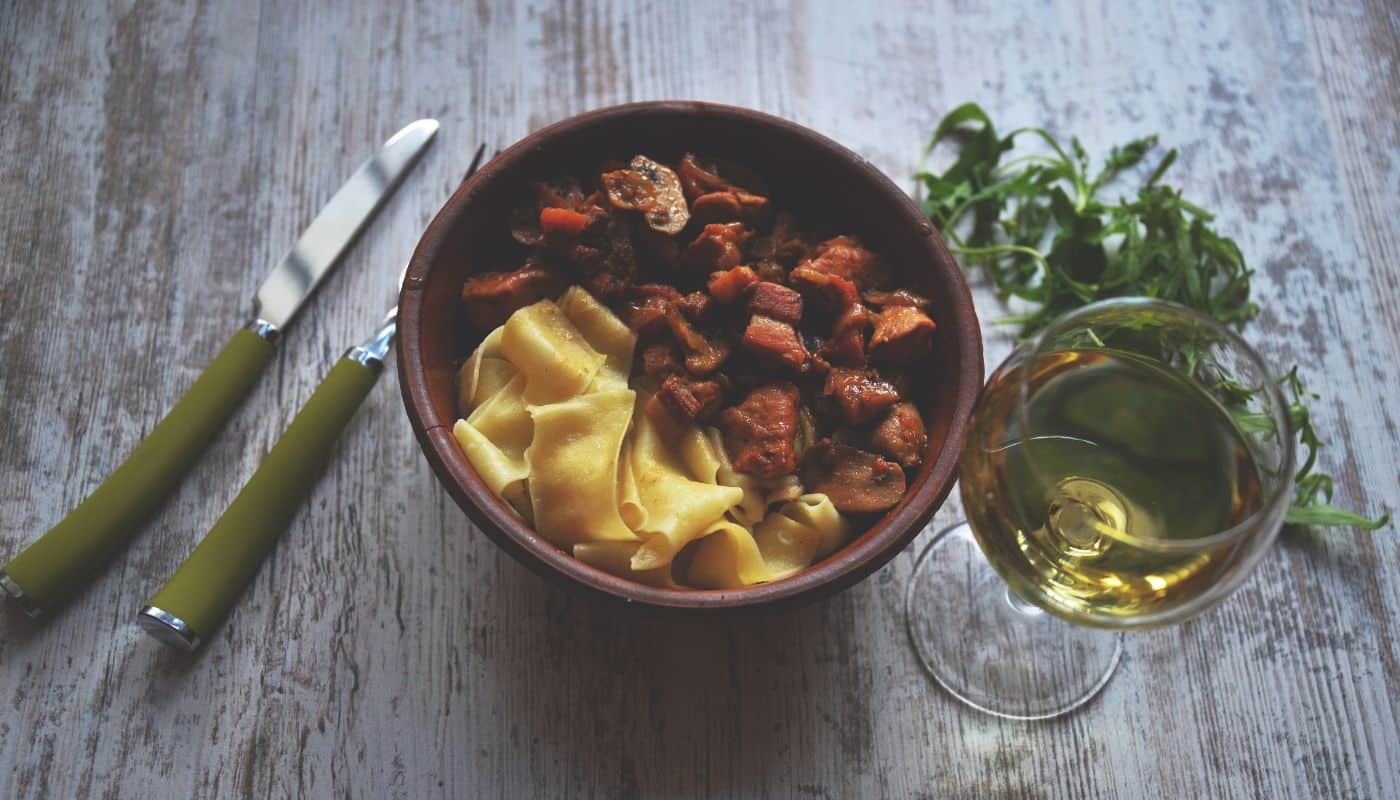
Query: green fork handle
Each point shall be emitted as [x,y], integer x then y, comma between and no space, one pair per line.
[55,567]
[201,592]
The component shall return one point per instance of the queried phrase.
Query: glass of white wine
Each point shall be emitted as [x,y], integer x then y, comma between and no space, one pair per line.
[1126,469]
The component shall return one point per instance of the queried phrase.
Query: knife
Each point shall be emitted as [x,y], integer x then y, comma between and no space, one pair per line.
[202,591]
[53,569]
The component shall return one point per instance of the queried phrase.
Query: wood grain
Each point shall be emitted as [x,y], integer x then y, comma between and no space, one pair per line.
[159,157]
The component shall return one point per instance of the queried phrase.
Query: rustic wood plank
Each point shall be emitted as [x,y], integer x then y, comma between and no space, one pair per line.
[160,155]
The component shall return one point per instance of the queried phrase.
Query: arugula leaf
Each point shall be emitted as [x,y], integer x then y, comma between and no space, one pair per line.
[1318,513]
[1036,227]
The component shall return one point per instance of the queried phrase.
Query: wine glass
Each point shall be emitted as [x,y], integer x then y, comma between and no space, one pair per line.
[1125,469]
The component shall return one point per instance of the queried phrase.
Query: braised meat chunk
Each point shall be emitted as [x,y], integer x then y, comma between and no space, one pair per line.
[902,334]
[697,307]
[716,207]
[774,344]
[660,360]
[901,435]
[727,286]
[857,482]
[845,258]
[647,315]
[761,432]
[718,247]
[490,298]
[827,293]
[775,301]
[859,394]
[729,206]
[690,399]
[846,347]
[602,259]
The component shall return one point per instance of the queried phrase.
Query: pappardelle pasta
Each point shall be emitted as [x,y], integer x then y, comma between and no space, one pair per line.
[552,426]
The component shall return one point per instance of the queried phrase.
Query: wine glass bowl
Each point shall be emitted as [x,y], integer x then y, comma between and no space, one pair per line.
[1128,467]
[1125,469]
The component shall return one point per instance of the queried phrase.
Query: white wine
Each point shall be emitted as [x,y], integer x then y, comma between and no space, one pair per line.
[1110,493]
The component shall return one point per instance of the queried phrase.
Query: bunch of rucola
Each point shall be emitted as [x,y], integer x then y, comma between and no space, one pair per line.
[1036,225]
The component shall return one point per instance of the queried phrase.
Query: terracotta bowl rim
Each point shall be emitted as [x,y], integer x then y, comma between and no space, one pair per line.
[857,560]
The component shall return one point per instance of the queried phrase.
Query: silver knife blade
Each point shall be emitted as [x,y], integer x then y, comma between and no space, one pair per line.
[328,236]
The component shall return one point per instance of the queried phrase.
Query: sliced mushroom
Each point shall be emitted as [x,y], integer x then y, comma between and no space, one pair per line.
[703,355]
[652,189]
[897,297]
[857,482]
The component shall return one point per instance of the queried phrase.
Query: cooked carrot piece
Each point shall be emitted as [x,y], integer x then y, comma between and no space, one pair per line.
[562,222]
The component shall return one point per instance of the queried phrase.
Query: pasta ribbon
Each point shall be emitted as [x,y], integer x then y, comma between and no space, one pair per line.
[472,388]
[629,497]
[800,533]
[605,333]
[544,345]
[615,558]
[501,473]
[678,507]
[505,419]
[573,463]
[727,558]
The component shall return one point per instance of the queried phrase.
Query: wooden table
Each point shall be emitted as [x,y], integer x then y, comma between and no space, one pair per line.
[156,158]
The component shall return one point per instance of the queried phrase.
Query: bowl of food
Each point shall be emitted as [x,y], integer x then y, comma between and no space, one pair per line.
[690,356]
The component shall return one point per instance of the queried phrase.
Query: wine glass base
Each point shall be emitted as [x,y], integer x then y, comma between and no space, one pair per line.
[992,650]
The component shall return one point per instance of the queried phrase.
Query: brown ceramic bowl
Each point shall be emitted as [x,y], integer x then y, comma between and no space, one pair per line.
[830,188]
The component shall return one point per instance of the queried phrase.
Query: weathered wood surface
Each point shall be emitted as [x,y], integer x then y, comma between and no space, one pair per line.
[155,158]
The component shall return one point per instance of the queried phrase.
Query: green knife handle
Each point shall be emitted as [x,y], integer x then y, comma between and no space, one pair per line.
[53,569]
[199,595]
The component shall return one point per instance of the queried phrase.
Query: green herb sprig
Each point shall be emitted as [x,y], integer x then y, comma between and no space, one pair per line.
[1036,226]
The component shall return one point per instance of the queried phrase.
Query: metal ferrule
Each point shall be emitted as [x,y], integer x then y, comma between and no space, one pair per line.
[265,329]
[373,352]
[168,628]
[17,594]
